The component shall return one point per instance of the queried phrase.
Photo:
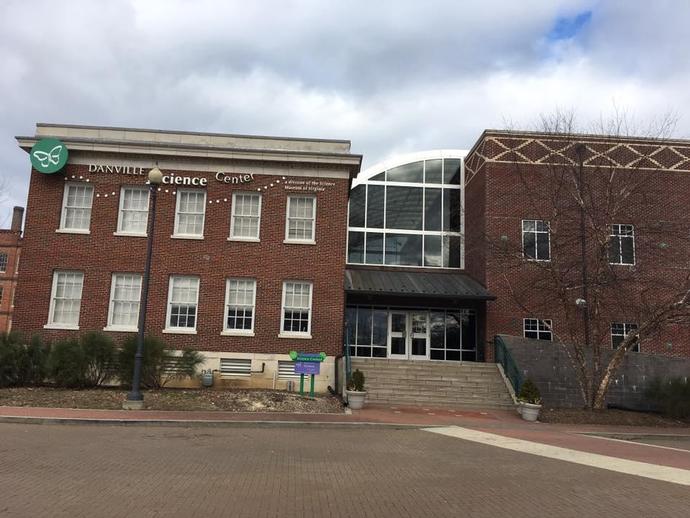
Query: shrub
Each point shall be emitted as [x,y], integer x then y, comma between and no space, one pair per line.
[67,364]
[158,364]
[529,393]
[82,363]
[672,396]
[356,381]
[99,354]
[22,364]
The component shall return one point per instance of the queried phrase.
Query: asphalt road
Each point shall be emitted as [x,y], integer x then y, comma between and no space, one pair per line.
[110,471]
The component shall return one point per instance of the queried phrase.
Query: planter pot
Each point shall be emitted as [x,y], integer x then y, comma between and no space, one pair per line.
[519,407]
[355,400]
[530,412]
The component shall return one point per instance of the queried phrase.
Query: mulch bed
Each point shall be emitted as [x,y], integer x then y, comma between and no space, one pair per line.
[612,417]
[172,399]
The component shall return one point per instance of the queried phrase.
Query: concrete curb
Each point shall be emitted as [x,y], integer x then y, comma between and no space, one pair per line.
[632,436]
[204,424]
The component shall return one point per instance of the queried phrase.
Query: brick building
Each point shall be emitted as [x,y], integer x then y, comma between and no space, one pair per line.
[10,251]
[248,241]
[257,253]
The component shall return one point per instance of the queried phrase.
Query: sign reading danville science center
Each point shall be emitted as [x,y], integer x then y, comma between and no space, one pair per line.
[48,155]
[172,178]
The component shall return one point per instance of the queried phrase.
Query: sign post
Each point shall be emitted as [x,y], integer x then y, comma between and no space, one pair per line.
[307,363]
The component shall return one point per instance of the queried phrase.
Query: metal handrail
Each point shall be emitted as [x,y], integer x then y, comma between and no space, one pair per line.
[503,356]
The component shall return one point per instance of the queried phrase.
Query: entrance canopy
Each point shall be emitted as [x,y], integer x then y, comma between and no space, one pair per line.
[402,283]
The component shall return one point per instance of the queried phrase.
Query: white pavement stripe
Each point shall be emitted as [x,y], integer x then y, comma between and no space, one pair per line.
[629,467]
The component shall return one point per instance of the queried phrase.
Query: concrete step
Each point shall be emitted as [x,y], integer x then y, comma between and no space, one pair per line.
[434,383]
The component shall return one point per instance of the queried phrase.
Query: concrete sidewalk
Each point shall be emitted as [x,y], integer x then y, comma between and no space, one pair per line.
[504,423]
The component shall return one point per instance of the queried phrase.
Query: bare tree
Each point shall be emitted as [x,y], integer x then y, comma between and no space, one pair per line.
[617,242]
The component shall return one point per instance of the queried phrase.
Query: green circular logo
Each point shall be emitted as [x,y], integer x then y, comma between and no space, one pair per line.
[48,155]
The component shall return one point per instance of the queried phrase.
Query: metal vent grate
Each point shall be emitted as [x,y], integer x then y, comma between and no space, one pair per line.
[286,370]
[235,367]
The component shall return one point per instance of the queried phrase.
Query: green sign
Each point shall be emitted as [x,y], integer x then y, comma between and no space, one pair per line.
[48,155]
[307,357]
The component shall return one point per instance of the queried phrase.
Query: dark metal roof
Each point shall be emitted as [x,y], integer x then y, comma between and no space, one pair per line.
[406,283]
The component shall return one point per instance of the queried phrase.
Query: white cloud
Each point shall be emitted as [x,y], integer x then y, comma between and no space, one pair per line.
[391,76]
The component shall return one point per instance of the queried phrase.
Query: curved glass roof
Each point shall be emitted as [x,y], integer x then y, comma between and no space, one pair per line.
[407,211]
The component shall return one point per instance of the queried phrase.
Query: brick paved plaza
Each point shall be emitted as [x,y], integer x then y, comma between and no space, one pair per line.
[109,471]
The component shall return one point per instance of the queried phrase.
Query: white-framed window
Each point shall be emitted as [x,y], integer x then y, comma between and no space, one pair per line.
[301,219]
[3,262]
[536,240]
[134,211]
[2,293]
[65,299]
[125,294]
[622,244]
[619,330]
[296,310]
[246,216]
[183,302]
[240,301]
[76,208]
[537,329]
[189,213]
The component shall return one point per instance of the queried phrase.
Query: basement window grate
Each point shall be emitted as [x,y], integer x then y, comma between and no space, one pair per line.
[286,370]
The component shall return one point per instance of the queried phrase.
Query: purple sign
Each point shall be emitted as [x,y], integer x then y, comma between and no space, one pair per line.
[307,368]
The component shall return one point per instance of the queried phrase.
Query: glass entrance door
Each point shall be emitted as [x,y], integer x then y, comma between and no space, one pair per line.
[408,335]
[418,335]
[397,335]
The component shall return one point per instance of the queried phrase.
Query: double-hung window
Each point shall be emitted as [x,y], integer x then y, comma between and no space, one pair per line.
[183,300]
[296,311]
[618,333]
[622,244]
[301,219]
[65,300]
[134,211]
[246,216]
[125,294]
[189,213]
[536,241]
[3,262]
[76,208]
[537,329]
[240,300]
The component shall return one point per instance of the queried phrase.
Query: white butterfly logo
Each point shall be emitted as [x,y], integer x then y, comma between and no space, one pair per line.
[51,157]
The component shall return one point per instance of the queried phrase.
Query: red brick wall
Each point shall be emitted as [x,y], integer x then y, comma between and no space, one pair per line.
[10,242]
[661,245]
[213,259]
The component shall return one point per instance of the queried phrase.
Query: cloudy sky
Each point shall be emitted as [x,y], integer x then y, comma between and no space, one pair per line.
[392,77]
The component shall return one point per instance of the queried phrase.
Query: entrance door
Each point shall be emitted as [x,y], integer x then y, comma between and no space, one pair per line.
[419,335]
[397,335]
[408,335]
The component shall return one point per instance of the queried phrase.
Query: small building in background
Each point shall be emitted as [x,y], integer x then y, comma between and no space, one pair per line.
[10,248]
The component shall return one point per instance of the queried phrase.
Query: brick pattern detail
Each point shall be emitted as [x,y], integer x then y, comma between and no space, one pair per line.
[10,244]
[214,258]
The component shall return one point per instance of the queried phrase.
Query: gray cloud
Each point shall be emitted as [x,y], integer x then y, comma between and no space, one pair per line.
[390,76]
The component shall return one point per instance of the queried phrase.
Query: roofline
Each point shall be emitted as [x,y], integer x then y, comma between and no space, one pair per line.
[576,136]
[182,132]
[417,294]
[407,158]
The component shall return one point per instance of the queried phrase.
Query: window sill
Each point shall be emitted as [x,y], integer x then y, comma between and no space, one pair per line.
[58,326]
[531,260]
[179,331]
[622,264]
[298,336]
[245,239]
[182,236]
[129,234]
[236,333]
[299,242]
[121,329]
[71,231]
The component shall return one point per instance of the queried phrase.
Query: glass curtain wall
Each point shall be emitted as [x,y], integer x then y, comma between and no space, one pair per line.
[410,215]
[451,332]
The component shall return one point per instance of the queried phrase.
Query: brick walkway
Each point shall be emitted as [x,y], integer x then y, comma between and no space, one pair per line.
[114,471]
